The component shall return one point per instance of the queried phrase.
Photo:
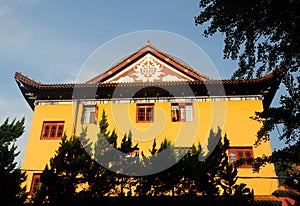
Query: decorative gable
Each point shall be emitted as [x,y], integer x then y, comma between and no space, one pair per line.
[149,64]
[148,69]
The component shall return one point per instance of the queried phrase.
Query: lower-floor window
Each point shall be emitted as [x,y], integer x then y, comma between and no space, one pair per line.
[242,156]
[134,153]
[35,184]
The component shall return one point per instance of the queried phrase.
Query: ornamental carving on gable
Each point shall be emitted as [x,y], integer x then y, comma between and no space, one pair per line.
[149,69]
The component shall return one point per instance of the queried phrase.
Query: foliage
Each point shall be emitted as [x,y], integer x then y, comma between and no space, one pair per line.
[104,125]
[66,173]
[293,181]
[261,35]
[74,176]
[11,177]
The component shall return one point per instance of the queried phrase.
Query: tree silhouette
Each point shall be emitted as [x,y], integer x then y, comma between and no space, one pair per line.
[66,174]
[262,36]
[11,177]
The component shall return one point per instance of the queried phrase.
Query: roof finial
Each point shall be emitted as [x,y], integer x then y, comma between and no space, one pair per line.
[148,42]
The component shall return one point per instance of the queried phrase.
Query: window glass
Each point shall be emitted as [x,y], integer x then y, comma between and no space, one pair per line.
[182,112]
[174,113]
[232,157]
[242,155]
[145,113]
[52,129]
[189,112]
[89,114]
[35,184]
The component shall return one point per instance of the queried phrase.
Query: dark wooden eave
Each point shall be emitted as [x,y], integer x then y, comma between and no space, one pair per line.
[266,86]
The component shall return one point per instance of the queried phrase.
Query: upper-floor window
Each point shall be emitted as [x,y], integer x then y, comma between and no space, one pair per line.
[52,129]
[182,112]
[35,184]
[243,156]
[144,112]
[89,114]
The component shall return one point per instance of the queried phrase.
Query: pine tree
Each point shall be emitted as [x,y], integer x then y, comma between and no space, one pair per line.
[153,150]
[213,165]
[191,170]
[11,177]
[102,179]
[147,184]
[113,139]
[126,144]
[65,174]
[228,178]
[104,125]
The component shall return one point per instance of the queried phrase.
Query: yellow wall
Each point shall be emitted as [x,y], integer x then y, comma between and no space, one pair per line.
[231,116]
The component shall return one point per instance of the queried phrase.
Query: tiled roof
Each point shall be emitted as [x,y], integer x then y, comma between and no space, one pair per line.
[24,79]
[266,86]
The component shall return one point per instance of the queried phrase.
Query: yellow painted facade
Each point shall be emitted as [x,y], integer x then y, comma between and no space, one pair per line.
[150,76]
[240,129]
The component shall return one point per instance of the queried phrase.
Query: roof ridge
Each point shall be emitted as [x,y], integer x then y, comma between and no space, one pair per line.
[178,61]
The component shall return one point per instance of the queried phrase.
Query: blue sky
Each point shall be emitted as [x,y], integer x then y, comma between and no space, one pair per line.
[50,40]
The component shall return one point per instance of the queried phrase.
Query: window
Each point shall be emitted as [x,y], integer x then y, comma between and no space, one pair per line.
[134,153]
[182,112]
[35,184]
[52,129]
[89,114]
[144,112]
[243,156]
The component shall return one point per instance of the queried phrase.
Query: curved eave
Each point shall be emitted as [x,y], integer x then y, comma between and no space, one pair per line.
[266,86]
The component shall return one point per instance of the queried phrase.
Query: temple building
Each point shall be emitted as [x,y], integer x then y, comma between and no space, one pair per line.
[154,95]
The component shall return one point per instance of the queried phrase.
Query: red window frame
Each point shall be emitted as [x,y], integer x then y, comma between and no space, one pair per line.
[237,154]
[52,130]
[35,183]
[144,113]
[134,153]
[180,114]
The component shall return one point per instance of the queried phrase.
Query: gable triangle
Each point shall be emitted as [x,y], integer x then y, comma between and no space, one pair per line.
[149,64]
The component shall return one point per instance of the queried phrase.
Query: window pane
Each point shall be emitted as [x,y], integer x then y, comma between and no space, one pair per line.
[174,113]
[46,131]
[189,112]
[60,130]
[232,157]
[149,114]
[92,117]
[240,154]
[248,154]
[141,114]
[53,131]
[86,117]
[182,112]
